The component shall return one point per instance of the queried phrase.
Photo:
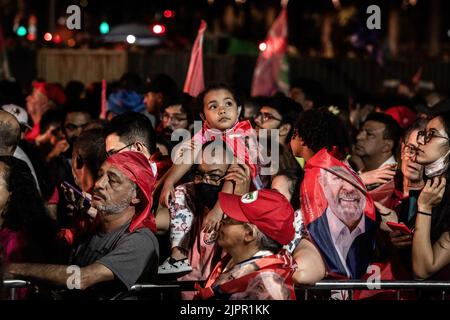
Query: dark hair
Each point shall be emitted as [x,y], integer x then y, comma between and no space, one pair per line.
[319,129]
[132,127]
[419,124]
[74,90]
[295,177]
[131,81]
[91,151]
[218,86]
[51,118]
[187,103]
[312,90]
[25,212]
[288,108]
[392,130]
[80,108]
[162,83]
[440,220]
[9,134]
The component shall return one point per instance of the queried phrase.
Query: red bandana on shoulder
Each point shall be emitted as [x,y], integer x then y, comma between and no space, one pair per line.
[281,264]
[235,139]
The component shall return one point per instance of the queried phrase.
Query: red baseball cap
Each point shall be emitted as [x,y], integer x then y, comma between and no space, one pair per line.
[404,116]
[269,210]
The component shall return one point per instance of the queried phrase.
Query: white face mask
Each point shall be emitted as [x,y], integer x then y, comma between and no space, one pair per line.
[438,167]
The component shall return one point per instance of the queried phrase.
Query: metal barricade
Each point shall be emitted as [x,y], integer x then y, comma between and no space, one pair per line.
[162,289]
[398,286]
[12,286]
[326,285]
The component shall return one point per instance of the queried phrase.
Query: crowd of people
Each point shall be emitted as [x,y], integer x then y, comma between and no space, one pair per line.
[247,197]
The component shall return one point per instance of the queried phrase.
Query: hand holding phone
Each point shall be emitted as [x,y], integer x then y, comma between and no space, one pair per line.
[75,195]
[399,227]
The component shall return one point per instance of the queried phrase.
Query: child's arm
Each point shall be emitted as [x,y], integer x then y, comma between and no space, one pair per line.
[182,163]
[237,181]
[175,173]
[215,215]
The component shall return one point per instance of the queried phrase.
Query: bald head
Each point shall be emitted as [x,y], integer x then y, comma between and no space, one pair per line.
[9,133]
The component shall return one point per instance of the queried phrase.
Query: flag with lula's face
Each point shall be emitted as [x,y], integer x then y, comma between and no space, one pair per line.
[195,83]
[272,70]
[339,215]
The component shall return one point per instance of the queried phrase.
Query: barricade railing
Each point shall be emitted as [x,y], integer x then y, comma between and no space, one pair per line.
[12,285]
[303,291]
[163,289]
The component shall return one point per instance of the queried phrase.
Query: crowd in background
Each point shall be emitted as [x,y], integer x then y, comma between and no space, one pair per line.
[348,188]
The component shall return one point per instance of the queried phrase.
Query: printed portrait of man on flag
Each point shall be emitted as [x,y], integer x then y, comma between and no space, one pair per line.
[339,215]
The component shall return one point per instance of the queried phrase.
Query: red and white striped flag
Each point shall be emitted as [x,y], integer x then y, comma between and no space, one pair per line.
[195,83]
[272,72]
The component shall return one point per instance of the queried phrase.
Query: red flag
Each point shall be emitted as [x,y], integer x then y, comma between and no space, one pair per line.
[195,83]
[271,71]
[315,201]
[337,209]
[104,102]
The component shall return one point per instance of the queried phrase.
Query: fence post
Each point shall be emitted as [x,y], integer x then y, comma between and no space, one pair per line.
[13,294]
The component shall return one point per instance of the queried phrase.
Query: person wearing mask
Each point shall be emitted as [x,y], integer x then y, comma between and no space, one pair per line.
[431,241]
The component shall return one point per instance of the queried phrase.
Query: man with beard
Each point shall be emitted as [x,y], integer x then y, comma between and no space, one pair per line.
[120,249]
[349,229]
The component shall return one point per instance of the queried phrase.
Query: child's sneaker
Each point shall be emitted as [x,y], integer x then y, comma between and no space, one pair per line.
[171,266]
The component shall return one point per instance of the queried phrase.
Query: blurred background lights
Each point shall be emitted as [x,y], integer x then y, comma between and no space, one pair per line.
[131,39]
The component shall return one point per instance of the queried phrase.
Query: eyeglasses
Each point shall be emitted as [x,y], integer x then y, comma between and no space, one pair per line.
[113,152]
[266,116]
[175,118]
[227,221]
[428,135]
[410,150]
[207,178]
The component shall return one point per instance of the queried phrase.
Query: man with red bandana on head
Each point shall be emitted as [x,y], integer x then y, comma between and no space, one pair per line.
[121,248]
[45,96]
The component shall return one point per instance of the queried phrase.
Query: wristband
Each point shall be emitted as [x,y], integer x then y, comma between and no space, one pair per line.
[424,213]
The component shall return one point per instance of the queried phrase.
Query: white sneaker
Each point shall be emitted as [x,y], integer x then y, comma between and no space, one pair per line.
[171,266]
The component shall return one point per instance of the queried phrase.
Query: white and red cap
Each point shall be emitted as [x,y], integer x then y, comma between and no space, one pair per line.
[18,112]
[268,210]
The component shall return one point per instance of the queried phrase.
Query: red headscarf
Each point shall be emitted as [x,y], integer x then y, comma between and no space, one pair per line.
[136,167]
[51,91]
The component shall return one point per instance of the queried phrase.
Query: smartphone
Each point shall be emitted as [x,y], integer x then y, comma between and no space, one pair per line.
[74,189]
[399,227]
[86,201]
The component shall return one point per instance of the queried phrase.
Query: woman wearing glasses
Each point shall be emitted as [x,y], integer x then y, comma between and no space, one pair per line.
[431,241]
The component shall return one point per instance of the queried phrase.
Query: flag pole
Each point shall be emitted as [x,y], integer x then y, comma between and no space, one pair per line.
[104,102]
